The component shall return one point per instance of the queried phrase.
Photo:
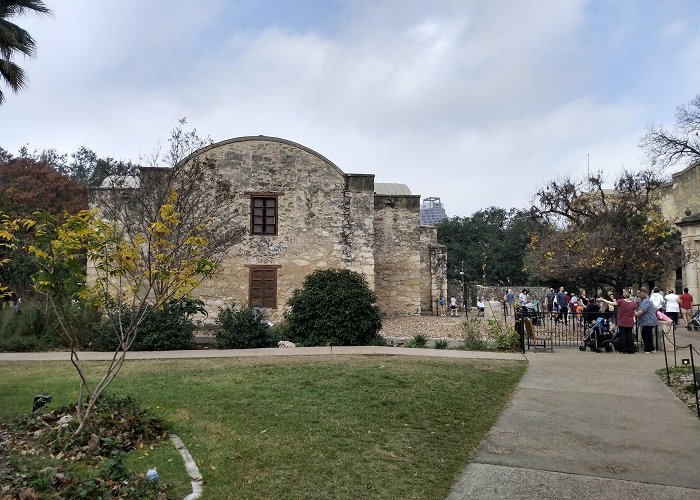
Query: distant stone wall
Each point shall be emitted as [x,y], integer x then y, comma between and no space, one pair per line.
[492,293]
[433,270]
[498,292]
[358,225]
[397,258]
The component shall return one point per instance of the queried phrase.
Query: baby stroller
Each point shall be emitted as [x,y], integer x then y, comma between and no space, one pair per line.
[695,321]
[600,336]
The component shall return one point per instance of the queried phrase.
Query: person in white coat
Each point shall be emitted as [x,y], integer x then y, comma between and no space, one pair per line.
[657,298]
[673,306]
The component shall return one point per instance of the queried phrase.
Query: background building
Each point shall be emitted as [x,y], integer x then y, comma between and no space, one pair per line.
[680,203]
[432,212]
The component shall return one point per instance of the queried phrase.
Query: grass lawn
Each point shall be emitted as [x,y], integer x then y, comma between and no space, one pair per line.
[331,427]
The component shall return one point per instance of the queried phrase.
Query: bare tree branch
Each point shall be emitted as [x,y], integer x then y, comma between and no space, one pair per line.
[680,144]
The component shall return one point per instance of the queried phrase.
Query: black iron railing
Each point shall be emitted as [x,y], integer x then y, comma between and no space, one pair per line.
[567,329]
[689,361]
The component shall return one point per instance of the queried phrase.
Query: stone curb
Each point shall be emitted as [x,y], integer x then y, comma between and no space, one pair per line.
[190,466]
[273,351]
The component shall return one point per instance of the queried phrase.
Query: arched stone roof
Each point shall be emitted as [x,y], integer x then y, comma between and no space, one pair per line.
[260,138]
[391,189]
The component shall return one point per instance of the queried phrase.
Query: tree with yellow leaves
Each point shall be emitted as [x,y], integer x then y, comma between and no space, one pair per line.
[594,236]
[134,273]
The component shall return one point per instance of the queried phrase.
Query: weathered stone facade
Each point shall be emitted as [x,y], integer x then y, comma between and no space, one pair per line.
[680,203]
[397,253]
[325,218]
[433,269]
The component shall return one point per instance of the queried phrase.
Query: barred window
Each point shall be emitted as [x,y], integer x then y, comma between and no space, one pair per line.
[263,215]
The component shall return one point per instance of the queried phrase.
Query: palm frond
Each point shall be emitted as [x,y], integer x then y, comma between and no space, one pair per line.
[15,39]
[13,75]
[18,7]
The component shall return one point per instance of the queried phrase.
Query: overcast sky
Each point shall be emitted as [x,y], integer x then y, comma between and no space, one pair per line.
[477,102]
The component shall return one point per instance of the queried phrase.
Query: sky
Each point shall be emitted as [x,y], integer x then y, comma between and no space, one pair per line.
[478,102]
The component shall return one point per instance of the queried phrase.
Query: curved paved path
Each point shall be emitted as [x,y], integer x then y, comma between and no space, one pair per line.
[586,425]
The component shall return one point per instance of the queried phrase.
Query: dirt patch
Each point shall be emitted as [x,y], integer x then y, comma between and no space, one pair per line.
[431,326]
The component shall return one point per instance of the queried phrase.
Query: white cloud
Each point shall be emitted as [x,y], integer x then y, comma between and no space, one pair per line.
[476,102]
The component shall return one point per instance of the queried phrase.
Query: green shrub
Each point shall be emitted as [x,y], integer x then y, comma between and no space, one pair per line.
[379,341]
[334,307]
[475,344]
[114,467]
[34,327]
[280,331]
[441,344]
[162,330]
[418,341]
[505,338]
[472,339]
[243,328]
[472,328]
[25,330]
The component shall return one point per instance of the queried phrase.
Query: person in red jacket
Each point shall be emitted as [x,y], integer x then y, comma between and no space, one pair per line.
[686,301]
[625,320]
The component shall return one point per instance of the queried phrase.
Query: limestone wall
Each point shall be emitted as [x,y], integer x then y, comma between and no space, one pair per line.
[325,218]
[681,204]
[690,236]
[357,244]
[433,270]
[681,194]
[397,258]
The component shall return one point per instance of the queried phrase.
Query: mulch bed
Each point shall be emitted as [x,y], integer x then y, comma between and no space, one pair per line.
[40,457]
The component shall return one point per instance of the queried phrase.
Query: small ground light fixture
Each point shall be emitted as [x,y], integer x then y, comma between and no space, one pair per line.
[41,400]
[685,361]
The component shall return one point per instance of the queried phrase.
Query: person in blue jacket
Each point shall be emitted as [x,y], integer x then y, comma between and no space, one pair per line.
[646,319]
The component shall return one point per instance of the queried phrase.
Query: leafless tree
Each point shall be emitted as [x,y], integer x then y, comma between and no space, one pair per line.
[181,144]
[679,144]
[204,201]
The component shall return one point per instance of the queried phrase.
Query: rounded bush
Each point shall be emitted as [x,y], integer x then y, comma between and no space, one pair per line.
[334,307]
[242,328]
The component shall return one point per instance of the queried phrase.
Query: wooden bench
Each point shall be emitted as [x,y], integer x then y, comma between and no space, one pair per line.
[537,339]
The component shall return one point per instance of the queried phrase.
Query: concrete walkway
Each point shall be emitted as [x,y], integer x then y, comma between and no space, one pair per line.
[586,425]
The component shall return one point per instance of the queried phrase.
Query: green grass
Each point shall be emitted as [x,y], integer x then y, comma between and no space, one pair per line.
[350,427]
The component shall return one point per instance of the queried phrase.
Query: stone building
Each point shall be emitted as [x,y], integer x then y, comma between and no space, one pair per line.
[680,203]
[301,213]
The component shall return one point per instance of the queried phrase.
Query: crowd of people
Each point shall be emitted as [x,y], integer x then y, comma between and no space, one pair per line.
[644,309]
